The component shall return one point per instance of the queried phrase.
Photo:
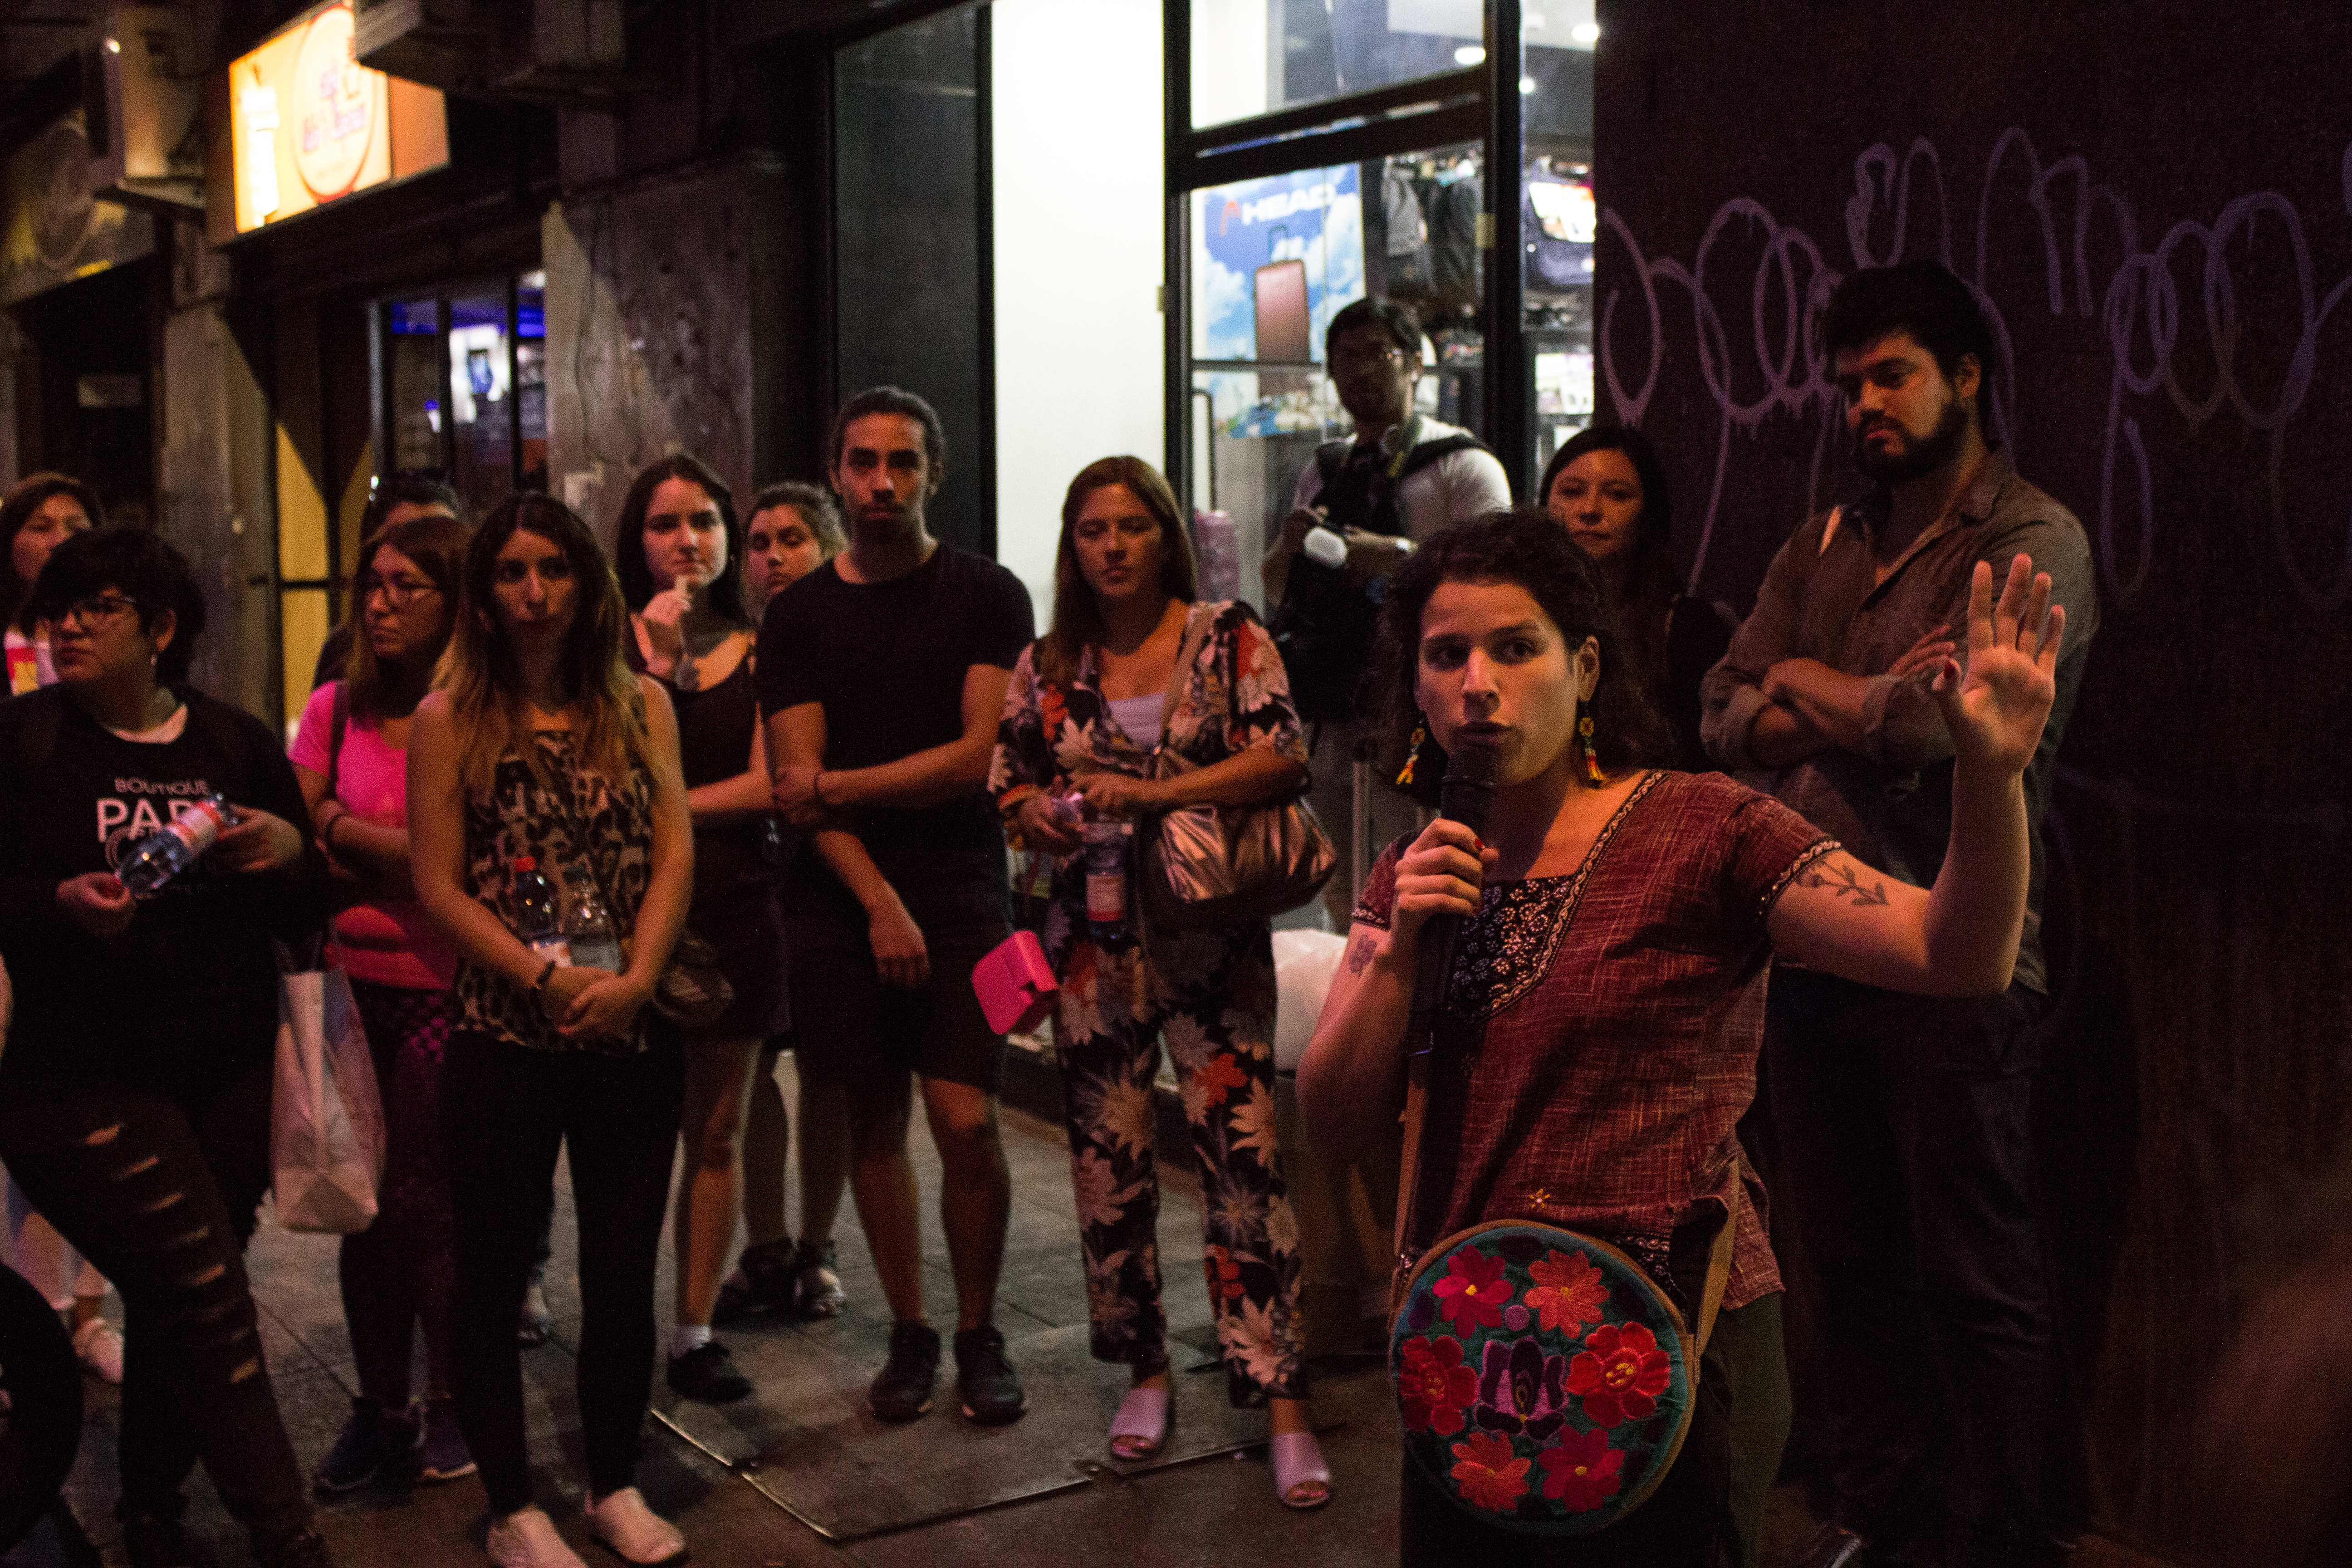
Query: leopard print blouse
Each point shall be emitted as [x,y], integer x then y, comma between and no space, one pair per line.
[548,822]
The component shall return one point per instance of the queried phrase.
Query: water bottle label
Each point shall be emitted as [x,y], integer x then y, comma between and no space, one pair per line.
[1106,897]
[553,947]
[199,826]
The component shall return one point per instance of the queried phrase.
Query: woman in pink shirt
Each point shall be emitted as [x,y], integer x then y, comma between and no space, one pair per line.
[350,755]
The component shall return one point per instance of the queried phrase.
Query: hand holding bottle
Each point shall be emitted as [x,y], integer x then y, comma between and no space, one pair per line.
[98,904]
[259,841]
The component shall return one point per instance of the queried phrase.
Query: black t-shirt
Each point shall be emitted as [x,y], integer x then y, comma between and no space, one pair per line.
[193,983]
[888,662]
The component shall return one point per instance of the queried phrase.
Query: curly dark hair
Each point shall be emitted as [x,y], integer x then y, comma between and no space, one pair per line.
[1528,548]
[143,569]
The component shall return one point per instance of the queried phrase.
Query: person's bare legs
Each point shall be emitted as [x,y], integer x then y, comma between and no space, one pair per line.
[767,1143]
[882,1185]
[825,1156]
[975,1192]
[717,1094]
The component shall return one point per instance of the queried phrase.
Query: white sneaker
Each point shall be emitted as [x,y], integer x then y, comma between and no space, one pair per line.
[99,1346]
[635,1533]
[527,1539]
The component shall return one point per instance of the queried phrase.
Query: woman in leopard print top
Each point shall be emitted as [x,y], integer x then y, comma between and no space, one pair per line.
[542,743]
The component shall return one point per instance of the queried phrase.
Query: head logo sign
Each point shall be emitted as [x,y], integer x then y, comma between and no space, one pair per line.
[336,107]
[311,126]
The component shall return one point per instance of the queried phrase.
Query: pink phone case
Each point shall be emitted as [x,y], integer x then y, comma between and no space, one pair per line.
[1014,984]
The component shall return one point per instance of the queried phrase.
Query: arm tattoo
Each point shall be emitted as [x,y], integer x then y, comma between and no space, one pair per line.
[1842,882]
[1360,955]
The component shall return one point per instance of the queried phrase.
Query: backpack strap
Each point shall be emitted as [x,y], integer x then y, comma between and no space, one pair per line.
[1445,447]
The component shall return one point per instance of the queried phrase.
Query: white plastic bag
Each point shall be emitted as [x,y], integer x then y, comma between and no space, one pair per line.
[326,1121]
[1304,963]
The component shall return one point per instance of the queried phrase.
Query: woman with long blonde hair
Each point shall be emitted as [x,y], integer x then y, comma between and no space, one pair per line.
[542,752]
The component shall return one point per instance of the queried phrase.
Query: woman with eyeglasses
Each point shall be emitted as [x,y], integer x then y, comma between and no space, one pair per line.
[134,1094]
[540,744]
[350,754]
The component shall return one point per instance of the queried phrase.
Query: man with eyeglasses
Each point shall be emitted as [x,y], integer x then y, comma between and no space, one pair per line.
[1401,478]
[391,498]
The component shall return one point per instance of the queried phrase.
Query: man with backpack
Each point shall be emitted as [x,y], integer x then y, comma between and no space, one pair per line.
[1402,476]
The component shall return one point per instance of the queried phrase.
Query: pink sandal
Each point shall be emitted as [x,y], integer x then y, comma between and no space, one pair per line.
[1140,1426]
[1298,1464]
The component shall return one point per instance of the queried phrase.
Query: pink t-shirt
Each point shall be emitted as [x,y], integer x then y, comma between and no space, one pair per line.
[393,942]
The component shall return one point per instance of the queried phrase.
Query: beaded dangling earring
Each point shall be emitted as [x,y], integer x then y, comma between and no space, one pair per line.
[1412,752]
[1591,758]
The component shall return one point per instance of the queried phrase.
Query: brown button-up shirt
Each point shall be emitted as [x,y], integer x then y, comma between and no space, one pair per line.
[1891,804]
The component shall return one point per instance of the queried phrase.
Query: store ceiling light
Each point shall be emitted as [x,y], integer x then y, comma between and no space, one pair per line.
[1470,55]
[1587,33]
[1527,86]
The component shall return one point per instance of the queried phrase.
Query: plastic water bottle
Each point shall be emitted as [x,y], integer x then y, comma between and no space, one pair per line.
[1108,842]
[195,827]
[535,919]
[587,925]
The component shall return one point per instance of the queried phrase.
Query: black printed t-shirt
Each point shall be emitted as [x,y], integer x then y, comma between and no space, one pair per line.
[888,662]
[193,985]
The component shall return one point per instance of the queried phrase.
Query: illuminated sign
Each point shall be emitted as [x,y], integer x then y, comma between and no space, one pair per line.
[312,124]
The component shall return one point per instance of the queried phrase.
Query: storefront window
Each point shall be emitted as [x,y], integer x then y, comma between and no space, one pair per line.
[1274,260]
[1256,57]
[1558,223]
[465,386]
[412,353]
[481,372]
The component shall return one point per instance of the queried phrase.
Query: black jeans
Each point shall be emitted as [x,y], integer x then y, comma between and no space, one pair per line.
[1905,1123]
[504,1113]
[1705,1514]
[158,1185]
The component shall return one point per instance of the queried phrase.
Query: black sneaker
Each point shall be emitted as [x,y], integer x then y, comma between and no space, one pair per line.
[762,1283]
[816,1288]
[992,1394]
[707,1372]
[156,1540]
[369,1441]
[903,1389]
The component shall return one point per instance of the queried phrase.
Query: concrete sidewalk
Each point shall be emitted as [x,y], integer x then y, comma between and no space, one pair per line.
[766,1482]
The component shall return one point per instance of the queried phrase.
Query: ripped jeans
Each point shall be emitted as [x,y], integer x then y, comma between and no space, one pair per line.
[158,1185]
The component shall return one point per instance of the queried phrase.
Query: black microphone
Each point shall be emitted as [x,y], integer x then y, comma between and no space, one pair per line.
[1466,796]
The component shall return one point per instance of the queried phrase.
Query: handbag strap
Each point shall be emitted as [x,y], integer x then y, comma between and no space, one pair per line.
[1199,627]
[1416,1113]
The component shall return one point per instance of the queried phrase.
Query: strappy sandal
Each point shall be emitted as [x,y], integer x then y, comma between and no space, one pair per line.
[1140,1428]
[1297,1465]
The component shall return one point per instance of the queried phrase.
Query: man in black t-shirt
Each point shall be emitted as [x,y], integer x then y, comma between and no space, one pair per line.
[882,675]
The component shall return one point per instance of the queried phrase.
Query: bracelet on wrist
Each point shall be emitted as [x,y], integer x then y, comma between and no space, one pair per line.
[539,986]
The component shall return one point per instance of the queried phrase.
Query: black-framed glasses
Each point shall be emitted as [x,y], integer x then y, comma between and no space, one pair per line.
[397,590]
[95,609]
[1367,358]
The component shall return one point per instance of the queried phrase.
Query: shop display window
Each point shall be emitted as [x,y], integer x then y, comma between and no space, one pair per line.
[1273,260]
[464,389]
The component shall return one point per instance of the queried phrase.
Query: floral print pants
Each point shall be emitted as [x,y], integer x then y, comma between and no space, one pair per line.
[1211,995]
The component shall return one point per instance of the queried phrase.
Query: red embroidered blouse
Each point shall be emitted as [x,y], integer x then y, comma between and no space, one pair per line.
[1622,1009]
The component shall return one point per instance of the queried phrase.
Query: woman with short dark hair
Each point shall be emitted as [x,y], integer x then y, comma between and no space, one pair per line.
[1617,924]
[41,511]
[134,1094]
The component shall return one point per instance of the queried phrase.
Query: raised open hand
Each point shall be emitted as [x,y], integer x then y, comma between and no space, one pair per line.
[1995,708]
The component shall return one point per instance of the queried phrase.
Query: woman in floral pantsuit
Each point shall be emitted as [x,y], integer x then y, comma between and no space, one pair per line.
[1090,705]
